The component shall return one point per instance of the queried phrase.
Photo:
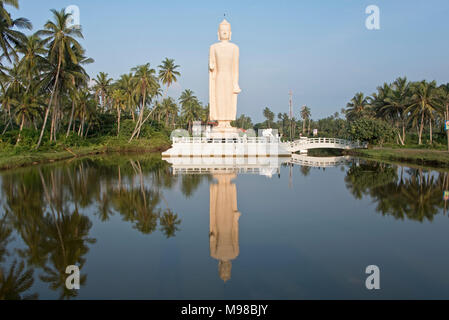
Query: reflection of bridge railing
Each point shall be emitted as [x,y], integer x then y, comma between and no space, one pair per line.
[226,140]
[305,144]
[246,165]
[304,160]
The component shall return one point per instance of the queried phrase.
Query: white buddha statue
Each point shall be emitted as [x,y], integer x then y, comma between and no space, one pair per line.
[223,78]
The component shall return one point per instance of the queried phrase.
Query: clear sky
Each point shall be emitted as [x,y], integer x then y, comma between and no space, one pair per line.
[319,49]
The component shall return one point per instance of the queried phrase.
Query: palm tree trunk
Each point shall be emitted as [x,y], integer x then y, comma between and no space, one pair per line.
[430,130]
[50,103]
[87,131]
[403,132]
[140,117]
[20,130]
[421,126]
[118,120]
[71,118]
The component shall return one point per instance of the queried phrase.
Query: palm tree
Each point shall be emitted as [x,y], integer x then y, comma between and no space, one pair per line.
[32,50]
[102,87]
[269,115]
[146,86]
[393,102]
[190,107]
[170,110]
[443,101]
[9,37]
[60,38]
[29,107]
[357,107]
[168,73]
[8,100]
[305,115]
[423,104]
[119,100]
[125,84]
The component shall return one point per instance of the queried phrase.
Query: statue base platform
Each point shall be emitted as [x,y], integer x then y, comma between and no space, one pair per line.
[231,146]
[224,132]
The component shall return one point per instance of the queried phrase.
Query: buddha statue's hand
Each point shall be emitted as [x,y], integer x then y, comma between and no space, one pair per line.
[237,89]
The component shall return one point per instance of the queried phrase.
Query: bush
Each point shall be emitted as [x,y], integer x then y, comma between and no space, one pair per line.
[374,131]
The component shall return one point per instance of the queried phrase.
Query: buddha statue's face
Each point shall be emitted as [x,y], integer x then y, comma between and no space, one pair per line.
[224,32]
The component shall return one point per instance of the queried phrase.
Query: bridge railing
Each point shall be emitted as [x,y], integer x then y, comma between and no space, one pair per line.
[333,141]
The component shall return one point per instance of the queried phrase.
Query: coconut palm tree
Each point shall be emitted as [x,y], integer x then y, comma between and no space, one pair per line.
[443,101]
[60,38]
[269,115]
[190,107]
[305,115]
[102,87]
[146,87]
[423,105]
[395,101]
[33,51]
[126,85]
[29,107]
[168,73]
[9,36]
[170,110]
[357,107]
[119,101]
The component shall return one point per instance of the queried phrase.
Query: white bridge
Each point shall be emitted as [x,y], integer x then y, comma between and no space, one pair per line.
[304,144]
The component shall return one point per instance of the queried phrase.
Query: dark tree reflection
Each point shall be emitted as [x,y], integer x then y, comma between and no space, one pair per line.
[415,194]
[51,210]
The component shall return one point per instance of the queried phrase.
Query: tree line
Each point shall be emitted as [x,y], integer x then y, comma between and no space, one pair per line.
[46,89]
[406,107]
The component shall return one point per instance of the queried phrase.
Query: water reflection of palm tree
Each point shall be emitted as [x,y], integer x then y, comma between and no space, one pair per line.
[15,282]
[44,206]
[66,238]
[305,170]
[169,222]
[66,245]
[416,194]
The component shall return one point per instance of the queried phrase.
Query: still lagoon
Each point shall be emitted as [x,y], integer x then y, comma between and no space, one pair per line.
[139,227]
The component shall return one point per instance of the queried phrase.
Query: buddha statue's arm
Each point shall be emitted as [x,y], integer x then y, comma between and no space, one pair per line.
[211,59]
[235,71]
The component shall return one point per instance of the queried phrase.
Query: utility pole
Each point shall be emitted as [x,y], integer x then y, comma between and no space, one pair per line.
[291,114]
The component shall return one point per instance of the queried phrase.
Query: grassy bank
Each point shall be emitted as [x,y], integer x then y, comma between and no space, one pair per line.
[15,158]
[434,158]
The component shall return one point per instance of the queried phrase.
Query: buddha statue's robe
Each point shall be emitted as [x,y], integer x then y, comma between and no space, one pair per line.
[223,81]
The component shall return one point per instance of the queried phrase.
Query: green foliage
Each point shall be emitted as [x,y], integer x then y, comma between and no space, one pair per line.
[374,131]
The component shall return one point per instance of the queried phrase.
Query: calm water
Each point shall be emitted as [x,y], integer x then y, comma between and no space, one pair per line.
[140,229]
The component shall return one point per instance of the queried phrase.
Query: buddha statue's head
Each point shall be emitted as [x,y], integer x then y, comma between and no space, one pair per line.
[224,31]
[224,270]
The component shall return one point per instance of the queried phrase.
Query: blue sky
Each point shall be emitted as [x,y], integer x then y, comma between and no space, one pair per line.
[320,50]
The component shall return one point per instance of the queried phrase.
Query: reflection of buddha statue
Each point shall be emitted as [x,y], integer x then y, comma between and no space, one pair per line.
[224,223]
[223,77]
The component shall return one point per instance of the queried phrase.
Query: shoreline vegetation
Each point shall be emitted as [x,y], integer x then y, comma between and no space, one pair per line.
[421,157]
[110,146]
